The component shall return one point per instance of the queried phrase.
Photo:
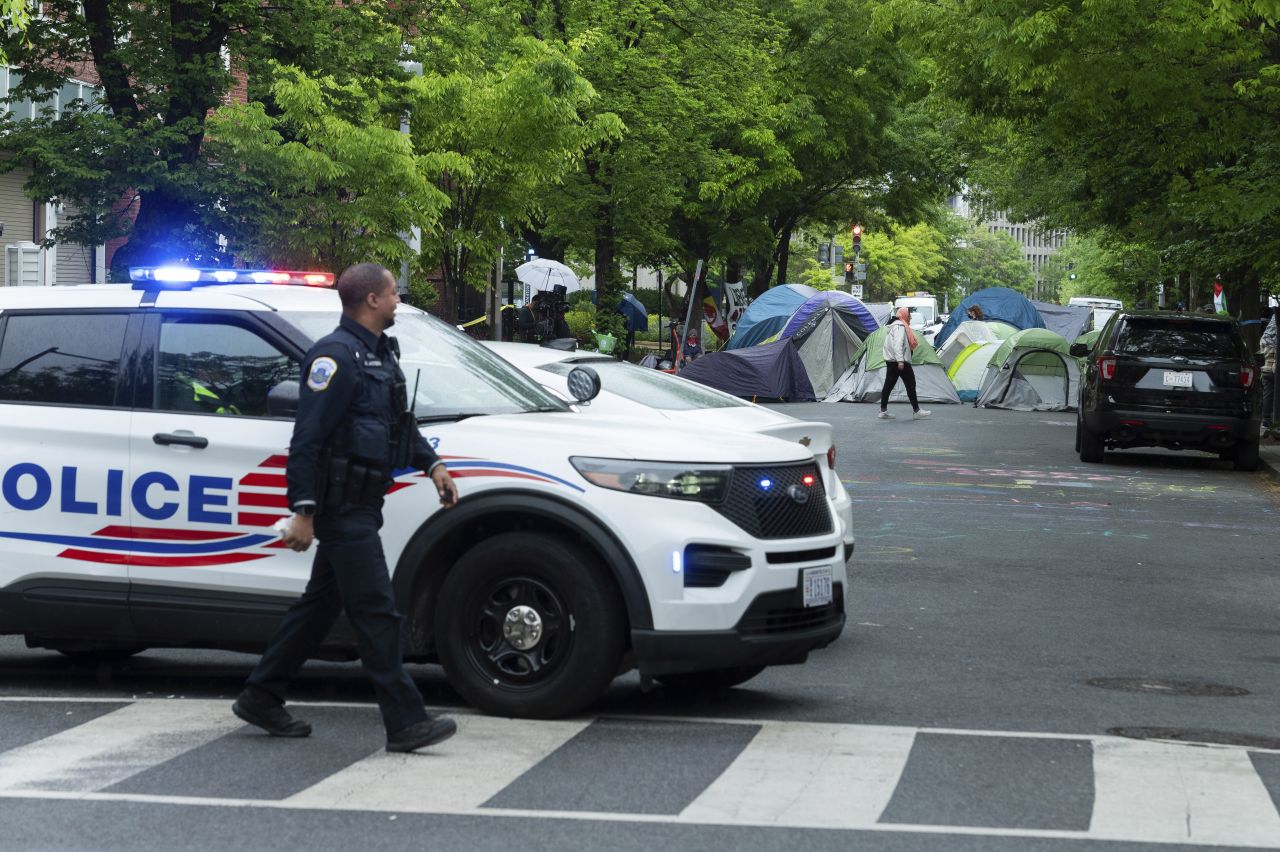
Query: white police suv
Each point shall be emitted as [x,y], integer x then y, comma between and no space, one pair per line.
[142,470]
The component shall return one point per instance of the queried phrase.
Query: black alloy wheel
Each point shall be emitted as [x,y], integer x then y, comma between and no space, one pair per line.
[530,624]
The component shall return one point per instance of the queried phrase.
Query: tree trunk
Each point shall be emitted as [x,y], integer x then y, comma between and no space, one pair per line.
[783,253]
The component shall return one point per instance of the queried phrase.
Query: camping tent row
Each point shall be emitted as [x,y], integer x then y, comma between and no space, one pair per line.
[798,344]
[791,344]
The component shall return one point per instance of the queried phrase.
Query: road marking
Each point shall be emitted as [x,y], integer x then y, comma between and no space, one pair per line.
[1163,793]
[110,748]
[808,774]
[486,755]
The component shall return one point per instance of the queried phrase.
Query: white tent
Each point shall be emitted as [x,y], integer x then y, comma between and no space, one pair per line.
[970,332]
[968,367]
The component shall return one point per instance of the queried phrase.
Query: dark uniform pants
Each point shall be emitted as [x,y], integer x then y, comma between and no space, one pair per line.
[349,571]
[891,374]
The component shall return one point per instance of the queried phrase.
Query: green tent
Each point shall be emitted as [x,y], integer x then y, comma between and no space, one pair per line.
[864,378]
[1032,370]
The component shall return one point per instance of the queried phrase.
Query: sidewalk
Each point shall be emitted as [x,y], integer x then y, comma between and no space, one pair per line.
[1269,455]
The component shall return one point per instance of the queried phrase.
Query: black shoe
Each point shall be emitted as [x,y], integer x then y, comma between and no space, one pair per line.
[272,718]
[422,734]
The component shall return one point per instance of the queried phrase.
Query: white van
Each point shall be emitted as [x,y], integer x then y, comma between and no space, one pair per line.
[923,308]
[132,516]
[1102,308]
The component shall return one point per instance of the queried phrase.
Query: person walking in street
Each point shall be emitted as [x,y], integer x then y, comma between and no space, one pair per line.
[899,342]
[1269,374]
[354,426]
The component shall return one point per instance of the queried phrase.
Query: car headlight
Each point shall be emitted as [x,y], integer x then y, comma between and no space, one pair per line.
[706,483]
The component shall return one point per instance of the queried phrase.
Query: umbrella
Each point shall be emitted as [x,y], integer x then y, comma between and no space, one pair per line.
[637,317]
[541,275]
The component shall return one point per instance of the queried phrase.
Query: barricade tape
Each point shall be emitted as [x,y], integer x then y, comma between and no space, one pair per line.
[484,317]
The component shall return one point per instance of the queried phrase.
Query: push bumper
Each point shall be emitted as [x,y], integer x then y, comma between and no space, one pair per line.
[775,630]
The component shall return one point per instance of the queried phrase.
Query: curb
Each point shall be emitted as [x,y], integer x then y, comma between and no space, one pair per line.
[1269,460]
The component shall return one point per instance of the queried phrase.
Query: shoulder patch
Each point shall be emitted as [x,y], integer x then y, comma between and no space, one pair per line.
[322,370]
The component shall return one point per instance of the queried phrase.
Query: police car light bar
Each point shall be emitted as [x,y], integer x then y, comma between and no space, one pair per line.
[186,277]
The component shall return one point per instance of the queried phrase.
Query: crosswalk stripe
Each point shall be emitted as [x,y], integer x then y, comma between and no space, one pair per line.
[1166,793]
[114,746]
[486,755]
[808,774]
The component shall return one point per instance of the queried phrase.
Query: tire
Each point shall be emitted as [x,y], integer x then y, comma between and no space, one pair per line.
[1246,456]
[716,680]
[582,624]
[1090,443]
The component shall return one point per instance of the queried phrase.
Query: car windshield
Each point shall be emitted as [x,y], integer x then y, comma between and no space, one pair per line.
[1168,337]
[452,373]
[646,386]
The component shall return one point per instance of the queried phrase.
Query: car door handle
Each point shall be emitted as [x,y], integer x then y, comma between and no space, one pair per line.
[165,439]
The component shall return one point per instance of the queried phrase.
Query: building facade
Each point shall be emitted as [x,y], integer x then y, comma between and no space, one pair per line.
[26,224]
[1037,244]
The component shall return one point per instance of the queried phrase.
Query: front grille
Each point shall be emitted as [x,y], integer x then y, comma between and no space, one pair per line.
[784,612]
[769,511]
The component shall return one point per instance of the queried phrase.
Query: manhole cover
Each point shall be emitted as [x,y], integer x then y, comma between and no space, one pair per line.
[1166,687]
[1198,736]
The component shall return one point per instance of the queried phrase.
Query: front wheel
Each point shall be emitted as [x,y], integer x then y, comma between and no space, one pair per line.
[713,681]
[530,625]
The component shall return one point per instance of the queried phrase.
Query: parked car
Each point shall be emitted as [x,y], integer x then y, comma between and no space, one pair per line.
[1179,381]
[631,391]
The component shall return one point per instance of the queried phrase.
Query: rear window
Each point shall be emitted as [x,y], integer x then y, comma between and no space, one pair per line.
[61,359]
[1189,337]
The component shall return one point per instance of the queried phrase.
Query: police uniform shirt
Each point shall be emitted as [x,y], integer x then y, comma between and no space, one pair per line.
[348,381]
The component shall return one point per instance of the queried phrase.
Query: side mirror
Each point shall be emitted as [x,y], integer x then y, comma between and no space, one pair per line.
[584,384]
[282,399]
[1079,350]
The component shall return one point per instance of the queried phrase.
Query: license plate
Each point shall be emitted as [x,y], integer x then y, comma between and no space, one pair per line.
[1175,379]
[817,586]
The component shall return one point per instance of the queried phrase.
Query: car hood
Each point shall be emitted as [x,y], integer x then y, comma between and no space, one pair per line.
[815,435]
[608,436]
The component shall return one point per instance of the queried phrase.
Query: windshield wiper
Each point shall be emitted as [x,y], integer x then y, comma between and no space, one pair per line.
[542,409]
[447,418]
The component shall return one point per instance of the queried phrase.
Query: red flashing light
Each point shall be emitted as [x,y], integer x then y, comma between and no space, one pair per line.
[807,480]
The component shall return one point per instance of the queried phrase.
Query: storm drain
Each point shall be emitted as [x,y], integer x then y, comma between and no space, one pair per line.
[1156,686]
[1199,736]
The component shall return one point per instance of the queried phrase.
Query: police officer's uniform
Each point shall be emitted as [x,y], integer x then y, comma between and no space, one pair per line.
[349,435]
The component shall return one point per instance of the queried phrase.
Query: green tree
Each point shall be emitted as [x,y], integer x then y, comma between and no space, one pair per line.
[992,259]
[1156,120]
[515,113]
[323,178]
[164,70]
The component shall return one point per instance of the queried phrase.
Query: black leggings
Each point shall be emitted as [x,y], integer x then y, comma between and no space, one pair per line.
[891,373]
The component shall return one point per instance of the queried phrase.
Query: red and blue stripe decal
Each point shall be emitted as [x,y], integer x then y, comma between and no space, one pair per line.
[462,467]
[260,501]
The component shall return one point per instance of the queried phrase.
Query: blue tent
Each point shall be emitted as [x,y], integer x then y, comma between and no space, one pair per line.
[771,371]
[997,303]
[768,314]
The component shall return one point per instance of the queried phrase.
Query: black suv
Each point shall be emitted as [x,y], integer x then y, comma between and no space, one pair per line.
[1180,381]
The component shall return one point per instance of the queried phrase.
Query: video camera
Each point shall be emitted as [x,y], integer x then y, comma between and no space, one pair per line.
[553,302]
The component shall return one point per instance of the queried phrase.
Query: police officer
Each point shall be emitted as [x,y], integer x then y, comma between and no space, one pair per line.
[354,426]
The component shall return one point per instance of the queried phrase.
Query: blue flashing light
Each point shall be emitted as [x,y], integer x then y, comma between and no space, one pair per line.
[175,274]
[766,484]
[175,277]
[677,561]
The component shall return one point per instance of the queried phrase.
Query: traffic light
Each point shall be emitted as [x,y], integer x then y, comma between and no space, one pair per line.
[848,273]
[856,235]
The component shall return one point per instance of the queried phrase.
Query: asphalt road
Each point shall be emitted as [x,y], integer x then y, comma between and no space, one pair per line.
[999,593]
